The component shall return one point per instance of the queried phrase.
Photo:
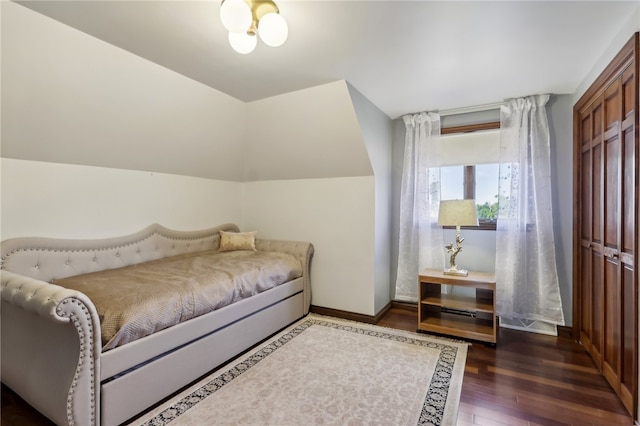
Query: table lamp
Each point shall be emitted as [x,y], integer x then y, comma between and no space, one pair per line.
[456,213]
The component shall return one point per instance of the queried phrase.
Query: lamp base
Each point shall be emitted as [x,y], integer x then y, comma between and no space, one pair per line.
[455,271]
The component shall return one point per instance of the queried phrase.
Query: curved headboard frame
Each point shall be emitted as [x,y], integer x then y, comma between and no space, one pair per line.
[47,259]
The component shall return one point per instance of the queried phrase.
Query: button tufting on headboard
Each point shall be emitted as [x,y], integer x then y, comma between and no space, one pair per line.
[48,258]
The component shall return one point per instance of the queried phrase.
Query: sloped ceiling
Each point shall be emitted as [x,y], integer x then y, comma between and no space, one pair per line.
[404,56]
[308,133]
[70,98]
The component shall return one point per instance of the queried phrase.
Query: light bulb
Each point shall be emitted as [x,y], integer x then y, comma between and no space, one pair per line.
[235,15]
[273,29]
[242,42]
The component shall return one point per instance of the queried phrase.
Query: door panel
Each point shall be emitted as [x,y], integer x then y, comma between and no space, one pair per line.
[612,336]
[585,290]
[586,190]
[611,195]
[597,323]
[586,298]
[629,372]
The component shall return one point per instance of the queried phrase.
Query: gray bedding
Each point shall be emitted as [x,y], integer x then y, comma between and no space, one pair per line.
[138,300]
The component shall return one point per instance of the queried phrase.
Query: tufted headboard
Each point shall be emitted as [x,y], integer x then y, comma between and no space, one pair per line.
[46,259]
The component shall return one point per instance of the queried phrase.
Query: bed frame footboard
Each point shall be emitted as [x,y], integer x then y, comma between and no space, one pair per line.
[37,318]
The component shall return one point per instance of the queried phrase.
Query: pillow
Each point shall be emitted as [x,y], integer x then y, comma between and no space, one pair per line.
[230,241]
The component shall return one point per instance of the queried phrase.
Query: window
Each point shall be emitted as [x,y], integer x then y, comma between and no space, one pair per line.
[475,176]
[479,182]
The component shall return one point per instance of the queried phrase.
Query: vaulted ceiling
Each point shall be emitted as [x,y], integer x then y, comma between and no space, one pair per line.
[404,56]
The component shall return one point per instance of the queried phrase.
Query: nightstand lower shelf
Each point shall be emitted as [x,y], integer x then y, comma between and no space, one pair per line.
[459,326]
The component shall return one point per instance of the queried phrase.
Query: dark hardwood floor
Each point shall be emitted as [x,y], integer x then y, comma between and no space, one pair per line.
[527,379]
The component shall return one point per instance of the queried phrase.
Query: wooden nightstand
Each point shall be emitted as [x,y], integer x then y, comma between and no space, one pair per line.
[470,317]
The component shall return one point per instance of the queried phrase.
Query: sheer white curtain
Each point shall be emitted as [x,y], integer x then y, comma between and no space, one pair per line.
[528,293]
[421,239]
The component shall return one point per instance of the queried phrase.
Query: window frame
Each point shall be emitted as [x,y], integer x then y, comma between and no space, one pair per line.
[470,171]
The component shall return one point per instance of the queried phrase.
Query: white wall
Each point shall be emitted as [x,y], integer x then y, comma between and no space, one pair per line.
[71,201]
[376,129]
[70,98]
[336,215]
[618,40]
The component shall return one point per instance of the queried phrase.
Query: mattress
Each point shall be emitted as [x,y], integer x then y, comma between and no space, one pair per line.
[138,300]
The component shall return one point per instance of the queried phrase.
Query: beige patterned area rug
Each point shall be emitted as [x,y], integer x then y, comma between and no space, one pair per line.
[323,370]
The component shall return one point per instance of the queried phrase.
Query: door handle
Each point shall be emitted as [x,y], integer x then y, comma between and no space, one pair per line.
[611,253]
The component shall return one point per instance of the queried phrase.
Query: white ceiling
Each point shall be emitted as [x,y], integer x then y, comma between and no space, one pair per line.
[404,56]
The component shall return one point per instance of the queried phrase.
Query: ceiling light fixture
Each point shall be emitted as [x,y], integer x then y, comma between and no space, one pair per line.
[246,19]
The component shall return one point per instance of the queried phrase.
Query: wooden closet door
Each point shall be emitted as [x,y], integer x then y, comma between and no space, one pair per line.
[606,216]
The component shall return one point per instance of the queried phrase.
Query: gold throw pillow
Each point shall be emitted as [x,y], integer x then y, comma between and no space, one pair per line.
[230,241]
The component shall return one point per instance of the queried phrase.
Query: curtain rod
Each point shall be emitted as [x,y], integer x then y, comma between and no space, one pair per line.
[465,110]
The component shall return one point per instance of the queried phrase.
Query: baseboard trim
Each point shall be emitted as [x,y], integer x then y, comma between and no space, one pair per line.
[407,306]
[565,331]
[337,313]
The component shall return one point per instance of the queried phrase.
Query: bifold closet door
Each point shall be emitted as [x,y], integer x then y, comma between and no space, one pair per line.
[606,215]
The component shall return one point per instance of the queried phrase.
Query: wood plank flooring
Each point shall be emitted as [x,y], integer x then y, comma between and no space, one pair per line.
[526,380]
[529,379]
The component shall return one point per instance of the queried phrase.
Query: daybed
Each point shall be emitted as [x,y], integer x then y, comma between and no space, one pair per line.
[55,356]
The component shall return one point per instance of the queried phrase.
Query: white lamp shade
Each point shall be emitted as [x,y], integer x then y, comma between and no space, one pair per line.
[242,42]
[236,15]
[457,213]
[273,29]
